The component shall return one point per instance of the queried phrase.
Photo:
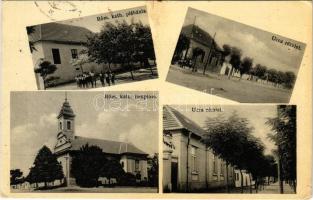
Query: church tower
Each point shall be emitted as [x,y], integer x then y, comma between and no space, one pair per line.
[66,122]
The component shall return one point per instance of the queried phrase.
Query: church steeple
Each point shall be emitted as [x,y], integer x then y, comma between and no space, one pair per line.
[66,119]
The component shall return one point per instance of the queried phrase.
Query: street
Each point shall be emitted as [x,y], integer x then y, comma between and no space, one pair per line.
[242,91]
[273,188]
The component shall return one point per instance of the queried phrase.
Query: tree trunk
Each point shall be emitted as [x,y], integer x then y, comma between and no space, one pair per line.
[230,72]
[250,183]
[194,65]
[227,186]
[81,68]
[147,63]
[256,185]
[241,180]
[131,71]
[109,67]
[44,81]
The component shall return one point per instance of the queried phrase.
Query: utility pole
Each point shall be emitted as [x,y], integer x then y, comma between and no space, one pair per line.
[210,52]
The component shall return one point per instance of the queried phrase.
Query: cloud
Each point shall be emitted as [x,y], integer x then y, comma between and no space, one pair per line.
[144,136]
[27,139]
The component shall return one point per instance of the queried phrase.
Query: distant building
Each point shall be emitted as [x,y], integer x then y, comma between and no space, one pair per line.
[132,159]
[60,44]
[199,39]
[187,162]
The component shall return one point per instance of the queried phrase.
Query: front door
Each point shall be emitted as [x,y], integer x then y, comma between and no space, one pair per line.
[174,172]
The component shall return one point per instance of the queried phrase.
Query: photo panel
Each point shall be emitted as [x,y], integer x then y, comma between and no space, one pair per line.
[93,51]
[235,61]
[230,149]
[86,142]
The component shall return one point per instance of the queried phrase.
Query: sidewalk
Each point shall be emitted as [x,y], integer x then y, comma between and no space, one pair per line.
[274,189]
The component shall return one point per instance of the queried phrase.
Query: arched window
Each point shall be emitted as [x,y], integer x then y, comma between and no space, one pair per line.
[60,125]
[122,164]
[68,125]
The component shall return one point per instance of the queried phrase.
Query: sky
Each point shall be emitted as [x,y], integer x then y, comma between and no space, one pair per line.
[253,42]
[256,115]
[91,22]
[34,123]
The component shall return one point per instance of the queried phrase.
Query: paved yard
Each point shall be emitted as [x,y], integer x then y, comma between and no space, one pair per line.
[139,75]
[242,91]
[76,189]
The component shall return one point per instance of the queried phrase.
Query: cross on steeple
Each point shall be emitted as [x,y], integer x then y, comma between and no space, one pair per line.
[65,96]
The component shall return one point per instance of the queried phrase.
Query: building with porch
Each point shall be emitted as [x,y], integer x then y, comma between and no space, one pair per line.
[188,164]
[202,49]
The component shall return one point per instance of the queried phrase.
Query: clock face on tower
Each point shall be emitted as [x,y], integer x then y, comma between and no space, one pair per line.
[61,140]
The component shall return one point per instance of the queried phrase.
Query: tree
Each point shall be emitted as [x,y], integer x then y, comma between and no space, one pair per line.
[196,52]
[112,169]
[44,69]
[290,79]
[272,75]
[259,71]
[235,59]
[87,165]
[284,129]
[15,175]
[30,30]
[245,66]
[119,43]
[81,59]
[46,168]
[226,50]
[227,137]
[153,170]
[182,44]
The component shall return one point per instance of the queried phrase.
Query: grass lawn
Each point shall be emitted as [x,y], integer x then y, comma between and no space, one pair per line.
[242,91]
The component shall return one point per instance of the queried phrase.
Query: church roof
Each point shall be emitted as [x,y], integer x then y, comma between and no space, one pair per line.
[58,32]
[199,35]
[174,120]
[108,146]
[66,110]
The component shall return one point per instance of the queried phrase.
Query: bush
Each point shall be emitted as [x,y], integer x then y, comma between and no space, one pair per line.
[128,179]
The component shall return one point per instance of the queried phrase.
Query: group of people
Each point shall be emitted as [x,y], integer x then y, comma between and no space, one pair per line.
[89,79]
[109,78]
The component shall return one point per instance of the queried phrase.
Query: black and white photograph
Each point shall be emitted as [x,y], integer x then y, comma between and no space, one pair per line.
[235,61]
[247,149]
[94,51]
[87,142]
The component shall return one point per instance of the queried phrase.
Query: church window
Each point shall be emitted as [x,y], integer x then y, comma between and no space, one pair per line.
[68,125]
[60,125]
[122,164]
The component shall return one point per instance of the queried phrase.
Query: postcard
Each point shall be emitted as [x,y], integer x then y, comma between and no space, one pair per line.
[94,51]
[84,142]
[234,61]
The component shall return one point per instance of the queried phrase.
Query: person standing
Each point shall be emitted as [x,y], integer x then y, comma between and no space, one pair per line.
[108,78]
[113,78]
[101,76]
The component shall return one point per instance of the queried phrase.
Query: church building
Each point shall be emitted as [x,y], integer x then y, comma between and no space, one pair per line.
[132,159]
